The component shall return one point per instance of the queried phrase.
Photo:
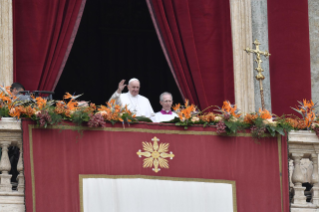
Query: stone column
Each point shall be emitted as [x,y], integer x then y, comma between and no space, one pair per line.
[313,12]
[260,32]
[297,179]
[243,63]
[20,177]
[5,167]
[315,180]
[6,43]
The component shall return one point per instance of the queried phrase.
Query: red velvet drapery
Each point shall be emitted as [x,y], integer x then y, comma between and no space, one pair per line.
[44,32]
[290,75]
[196,40]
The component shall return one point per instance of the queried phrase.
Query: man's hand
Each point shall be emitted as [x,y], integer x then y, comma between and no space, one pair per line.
[121,86]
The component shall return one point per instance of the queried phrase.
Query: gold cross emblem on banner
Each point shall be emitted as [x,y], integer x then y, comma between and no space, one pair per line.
[155,155]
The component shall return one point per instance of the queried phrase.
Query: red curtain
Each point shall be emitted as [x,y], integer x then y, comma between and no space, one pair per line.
[44,32]
[54,158]
[196,40]
[290,75]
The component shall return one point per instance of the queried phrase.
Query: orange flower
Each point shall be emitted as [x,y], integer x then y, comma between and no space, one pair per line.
[296,123]
[29,111]
[227,107]
[265,114]
[186,102]
[67,96]
[250,118]
[208,117]
[5,98]
[16,111]
[93,106]
[309,119]
[41,102]
[71,105]
[177,107]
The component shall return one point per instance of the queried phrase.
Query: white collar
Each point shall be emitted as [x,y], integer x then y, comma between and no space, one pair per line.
[131,96]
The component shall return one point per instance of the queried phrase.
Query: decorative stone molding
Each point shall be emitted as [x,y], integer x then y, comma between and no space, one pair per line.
[303,150]
[6,42]
[243,63]
[11,135]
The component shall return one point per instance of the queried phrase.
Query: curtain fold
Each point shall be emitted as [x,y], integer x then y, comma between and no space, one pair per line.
[196,40]
[44,32]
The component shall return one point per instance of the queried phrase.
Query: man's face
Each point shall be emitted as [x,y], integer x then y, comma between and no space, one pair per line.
[134,88]
[16,91]
[166,102]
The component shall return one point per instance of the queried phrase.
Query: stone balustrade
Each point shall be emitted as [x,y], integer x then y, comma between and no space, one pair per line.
[303,170]
[11,136]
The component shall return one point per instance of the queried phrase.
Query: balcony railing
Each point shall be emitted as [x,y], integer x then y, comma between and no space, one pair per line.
[11,193]
[303,169]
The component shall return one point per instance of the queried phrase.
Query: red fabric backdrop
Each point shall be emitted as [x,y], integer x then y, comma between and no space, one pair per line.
[196,39]
[44,32]
[54,159]
[290,75]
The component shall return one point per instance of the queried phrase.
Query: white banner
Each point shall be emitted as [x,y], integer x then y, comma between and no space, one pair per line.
[155,195]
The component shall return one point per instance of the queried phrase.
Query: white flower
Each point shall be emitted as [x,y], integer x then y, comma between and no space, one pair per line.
[233,119]
[102,112]
[218,118]
[314,125]
[195,119]
[37,112]
[270,122]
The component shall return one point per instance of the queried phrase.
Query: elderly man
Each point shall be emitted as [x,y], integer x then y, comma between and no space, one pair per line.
[166,114]
[136,103]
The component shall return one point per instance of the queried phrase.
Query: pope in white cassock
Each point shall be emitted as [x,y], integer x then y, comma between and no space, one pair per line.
[136,103]
[166,114]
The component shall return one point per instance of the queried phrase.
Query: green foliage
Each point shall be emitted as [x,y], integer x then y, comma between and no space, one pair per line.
[234,126]
[184,124]
[142,118]
[78,117]
[4,112]
[55,118]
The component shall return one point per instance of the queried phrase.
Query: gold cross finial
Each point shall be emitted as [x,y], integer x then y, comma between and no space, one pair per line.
[258,60]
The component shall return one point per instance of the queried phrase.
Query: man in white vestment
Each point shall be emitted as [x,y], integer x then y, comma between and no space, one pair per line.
[136,103]
[166,114]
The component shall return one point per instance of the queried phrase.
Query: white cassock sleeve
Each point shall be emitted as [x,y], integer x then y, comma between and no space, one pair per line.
[117,98]
[143,105]
[149,110]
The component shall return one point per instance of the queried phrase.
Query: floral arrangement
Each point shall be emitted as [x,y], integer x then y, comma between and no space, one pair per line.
[307,110]
[187,114]
[226,119]
[51,112]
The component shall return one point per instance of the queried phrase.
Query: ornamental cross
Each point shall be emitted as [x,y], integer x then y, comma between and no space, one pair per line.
[155,155]
[260,77]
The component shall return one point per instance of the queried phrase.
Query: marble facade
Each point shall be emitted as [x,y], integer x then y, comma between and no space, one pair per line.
[313,12]
[240,11]
[6,43]
[259,21]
